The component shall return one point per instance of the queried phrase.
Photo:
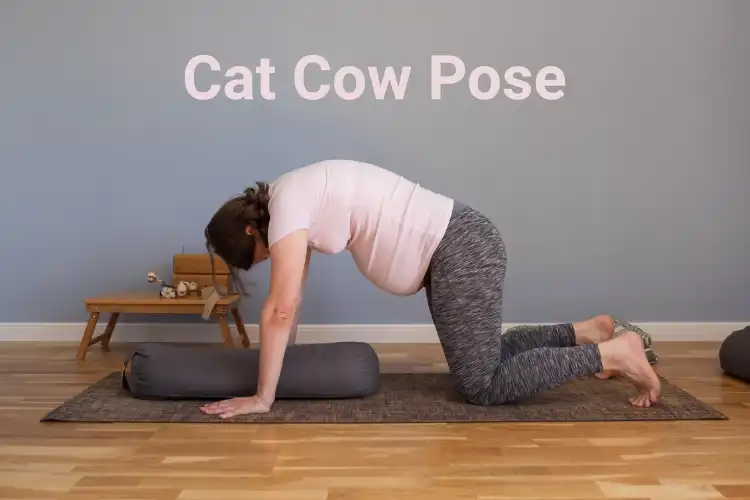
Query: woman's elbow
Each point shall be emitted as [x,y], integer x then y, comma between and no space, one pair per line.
[280,313]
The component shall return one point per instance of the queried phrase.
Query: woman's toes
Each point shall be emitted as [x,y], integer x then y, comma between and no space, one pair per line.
[641,401]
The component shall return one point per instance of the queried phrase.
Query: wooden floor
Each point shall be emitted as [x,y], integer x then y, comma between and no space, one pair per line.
[676,460]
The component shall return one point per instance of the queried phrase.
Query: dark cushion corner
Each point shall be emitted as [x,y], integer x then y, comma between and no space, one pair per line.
[734,354]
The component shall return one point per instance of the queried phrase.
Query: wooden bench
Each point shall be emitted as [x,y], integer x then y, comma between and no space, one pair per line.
[185,267]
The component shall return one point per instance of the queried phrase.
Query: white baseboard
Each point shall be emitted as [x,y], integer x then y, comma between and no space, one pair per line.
[371,333]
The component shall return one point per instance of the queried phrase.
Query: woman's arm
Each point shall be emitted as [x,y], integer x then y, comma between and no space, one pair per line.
[295,324]
[290,259]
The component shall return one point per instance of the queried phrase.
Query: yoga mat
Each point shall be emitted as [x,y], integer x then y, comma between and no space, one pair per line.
[402,398]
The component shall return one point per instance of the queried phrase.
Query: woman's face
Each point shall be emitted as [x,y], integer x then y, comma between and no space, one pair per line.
[261,252]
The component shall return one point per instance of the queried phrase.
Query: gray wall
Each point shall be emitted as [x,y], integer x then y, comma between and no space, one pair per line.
[627,195]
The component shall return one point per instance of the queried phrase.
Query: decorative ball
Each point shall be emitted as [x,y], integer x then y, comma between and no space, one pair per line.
[151,277]
[192,286]
[182,289]
[168,292]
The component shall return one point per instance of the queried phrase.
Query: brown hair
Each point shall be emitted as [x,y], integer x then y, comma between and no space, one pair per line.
[226,234]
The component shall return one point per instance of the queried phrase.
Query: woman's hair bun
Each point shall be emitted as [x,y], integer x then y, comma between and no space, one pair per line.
[258,196]
[257,199]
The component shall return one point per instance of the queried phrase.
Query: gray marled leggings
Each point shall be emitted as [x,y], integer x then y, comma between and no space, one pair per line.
[464,288]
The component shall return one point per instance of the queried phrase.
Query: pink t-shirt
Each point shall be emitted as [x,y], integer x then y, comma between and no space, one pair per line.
[390,225]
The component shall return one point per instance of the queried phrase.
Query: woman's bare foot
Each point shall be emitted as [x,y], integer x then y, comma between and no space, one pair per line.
[626,356]
[595,331]
[605,375]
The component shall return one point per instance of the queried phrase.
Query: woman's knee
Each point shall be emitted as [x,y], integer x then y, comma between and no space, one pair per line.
[481,396]
[484,398]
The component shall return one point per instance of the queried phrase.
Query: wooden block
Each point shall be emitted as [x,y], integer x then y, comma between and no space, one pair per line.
[197,263]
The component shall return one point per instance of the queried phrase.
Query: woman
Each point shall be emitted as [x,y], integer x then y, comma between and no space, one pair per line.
[403,238]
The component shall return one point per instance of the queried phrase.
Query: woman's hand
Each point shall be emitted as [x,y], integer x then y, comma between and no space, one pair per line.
[237,406]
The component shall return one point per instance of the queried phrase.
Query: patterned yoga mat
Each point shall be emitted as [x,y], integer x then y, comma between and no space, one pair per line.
[402,398]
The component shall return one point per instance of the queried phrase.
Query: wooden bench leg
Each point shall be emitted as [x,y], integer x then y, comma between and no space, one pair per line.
[240,327]
[105,337]
[293,335]
[110,329]
[222,318]
[87,335]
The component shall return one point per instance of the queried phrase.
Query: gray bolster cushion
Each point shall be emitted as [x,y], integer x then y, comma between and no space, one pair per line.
[310,371]
[734,354]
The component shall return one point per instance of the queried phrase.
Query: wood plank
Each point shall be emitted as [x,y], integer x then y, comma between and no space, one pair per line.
[152,303]
[152,298]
